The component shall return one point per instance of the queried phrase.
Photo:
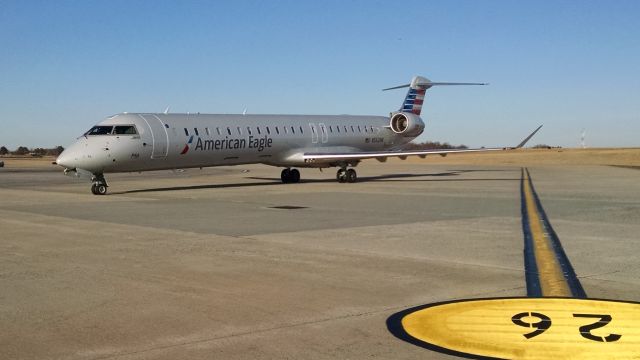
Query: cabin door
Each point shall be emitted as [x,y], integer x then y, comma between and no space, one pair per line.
[159,136]
[314,133]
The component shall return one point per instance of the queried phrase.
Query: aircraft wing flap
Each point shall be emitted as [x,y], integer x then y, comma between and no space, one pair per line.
[338,156]
[311,157]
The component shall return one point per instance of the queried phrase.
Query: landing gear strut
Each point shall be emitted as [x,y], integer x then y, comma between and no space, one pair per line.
[99,185]
[290,176]
[346,175]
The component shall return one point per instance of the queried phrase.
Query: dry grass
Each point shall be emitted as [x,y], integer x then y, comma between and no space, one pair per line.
[530,157]
[27,161]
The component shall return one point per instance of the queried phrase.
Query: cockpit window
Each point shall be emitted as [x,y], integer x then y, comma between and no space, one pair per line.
[125,130]
[100,130]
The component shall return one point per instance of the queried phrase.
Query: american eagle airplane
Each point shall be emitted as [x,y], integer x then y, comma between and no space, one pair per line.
[131,142]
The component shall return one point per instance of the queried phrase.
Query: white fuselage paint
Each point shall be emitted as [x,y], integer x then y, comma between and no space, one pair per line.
[278,140]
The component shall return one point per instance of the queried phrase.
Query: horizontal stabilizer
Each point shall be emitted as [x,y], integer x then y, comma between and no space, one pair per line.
[430,84]
[417,88]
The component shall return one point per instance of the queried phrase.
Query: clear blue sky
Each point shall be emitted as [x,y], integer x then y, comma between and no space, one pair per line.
[65,65]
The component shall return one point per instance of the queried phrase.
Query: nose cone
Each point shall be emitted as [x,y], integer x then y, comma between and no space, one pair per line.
[72,156]
[66,159]
[84,154]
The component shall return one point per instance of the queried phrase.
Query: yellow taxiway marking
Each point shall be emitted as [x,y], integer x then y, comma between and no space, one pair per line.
[529,328]
[551,277]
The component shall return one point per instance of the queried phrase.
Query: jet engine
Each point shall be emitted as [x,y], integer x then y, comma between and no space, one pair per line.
[406,124]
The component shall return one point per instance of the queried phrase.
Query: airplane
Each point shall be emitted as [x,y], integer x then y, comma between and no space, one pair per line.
[135,142]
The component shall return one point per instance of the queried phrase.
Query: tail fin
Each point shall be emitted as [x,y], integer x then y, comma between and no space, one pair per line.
[415,96]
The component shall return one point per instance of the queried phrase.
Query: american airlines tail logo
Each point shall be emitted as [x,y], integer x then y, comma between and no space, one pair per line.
[413,101]
[186,146]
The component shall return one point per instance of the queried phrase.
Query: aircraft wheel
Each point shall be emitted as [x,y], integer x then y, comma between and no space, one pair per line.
[294,176]
[285,176]
[341,175]
[98,188]
[101,189]
[351,176]
[99,185]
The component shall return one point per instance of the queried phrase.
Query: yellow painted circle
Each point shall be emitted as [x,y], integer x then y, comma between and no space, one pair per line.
[528,328]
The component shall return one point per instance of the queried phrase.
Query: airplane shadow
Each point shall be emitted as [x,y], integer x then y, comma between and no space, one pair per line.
[361,179]
[273,181]
[483,170]
[196,187]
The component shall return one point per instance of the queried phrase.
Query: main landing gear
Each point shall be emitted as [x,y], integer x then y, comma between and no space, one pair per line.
[99,185]
[343,175]
[290,176]
[346,175]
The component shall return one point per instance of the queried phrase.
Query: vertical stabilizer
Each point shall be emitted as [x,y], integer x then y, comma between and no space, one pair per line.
[415,96]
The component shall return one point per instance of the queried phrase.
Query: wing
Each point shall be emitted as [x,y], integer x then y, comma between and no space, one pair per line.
[382,155]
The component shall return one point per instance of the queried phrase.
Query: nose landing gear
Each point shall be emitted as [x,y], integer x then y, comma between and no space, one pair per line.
[99,185]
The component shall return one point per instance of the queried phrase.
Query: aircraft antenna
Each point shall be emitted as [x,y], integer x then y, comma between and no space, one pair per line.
[583,135]
[244,112]
[166,111]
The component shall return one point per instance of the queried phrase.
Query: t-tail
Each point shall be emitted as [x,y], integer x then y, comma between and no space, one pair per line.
[417,88]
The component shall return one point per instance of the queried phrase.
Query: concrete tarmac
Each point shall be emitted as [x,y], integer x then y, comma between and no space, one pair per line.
[228,263]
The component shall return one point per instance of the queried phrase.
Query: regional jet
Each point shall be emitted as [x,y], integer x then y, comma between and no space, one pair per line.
[134,142]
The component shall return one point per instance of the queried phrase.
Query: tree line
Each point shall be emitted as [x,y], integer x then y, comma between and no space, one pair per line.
[23,150]
[428,145]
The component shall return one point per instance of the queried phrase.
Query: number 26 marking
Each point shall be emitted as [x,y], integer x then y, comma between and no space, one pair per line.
[585,331]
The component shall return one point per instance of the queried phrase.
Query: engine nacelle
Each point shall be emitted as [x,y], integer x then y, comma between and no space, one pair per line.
[406,124]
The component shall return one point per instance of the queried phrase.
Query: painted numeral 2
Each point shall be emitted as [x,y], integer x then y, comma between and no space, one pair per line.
[585,331]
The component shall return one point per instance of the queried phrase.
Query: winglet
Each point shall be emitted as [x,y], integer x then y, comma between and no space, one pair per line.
[528,137]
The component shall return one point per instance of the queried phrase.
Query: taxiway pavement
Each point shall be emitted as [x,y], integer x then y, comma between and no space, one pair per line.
[227,263]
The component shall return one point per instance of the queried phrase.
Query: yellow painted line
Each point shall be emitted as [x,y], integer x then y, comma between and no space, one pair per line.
[528,328]
[550,275]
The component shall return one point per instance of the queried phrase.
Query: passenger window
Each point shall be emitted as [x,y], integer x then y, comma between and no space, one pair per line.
[352,129]
[277,131]
[338,128]
[125,130]
[258,128]
[218,131]
[239,131]
[229,130]
[301,131]
[345,129]
[196,131]
[207,131]
[330,129]
[249,130]
[285,130]
[186,132]
[268,131]
[359,130]
[365,129]
[293,131]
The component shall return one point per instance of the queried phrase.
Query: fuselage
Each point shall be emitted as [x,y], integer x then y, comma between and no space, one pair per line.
[140,142]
